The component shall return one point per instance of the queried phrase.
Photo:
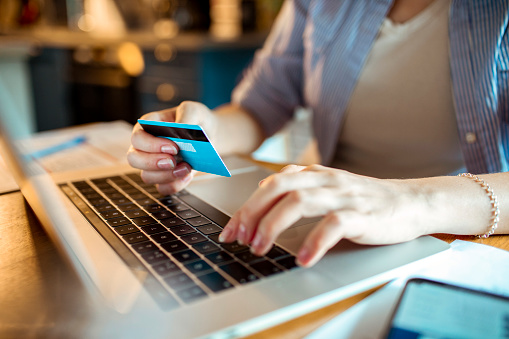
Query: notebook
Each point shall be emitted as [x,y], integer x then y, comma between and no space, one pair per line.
[155,266]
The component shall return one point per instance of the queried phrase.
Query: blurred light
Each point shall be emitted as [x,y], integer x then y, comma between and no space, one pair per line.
[166,29]
[86,23]
[131,58]
[82,54]
[166,92]
[165,52]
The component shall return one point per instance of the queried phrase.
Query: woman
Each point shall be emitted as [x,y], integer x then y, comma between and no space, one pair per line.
[404,93]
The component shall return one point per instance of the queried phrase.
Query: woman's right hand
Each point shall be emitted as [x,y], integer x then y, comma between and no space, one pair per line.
[157,157]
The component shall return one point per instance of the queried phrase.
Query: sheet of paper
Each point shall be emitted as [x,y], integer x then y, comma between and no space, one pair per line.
[467,264]
[106,144]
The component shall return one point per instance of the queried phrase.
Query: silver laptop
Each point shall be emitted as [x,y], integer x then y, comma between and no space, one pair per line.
[155,267]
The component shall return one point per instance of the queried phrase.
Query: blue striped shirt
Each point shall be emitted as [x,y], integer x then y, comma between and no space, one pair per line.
[316,50]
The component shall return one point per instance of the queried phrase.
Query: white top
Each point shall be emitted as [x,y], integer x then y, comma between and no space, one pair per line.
[400,122]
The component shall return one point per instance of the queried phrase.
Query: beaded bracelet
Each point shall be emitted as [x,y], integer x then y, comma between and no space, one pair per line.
[495,210]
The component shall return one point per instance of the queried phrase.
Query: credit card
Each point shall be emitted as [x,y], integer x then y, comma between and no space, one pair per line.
[195,147]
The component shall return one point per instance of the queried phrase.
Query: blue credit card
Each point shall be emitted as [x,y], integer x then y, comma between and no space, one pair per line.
[195,147]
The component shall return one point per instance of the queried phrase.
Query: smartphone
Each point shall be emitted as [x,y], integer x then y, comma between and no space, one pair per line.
[432,309]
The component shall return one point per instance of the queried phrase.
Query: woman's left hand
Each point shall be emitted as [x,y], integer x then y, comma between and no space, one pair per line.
[363,209]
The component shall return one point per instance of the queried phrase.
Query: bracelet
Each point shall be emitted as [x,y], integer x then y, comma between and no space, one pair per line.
[495,210]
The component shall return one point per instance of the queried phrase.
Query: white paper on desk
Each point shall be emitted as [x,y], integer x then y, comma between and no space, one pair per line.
[106,144]
[467,264]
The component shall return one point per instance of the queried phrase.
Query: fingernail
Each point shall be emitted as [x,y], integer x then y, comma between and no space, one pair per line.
[241,235]
[257,243]
[224,234]
[303,256]
[166,163]
[181,172]
[170,149]
[261,182]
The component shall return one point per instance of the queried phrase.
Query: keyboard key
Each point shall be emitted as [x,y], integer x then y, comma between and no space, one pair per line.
[277,253]
[174,221]
[248,257]
[109,190]
[115,195]
[215,281]
[138,196]
[188,214]
[126,229]
[288,262]
[128,207]
[161,238]
[239,272]
[219,258]
[144,201]
[179,281]
[154,257]
[215,238]
[153,229]
[266,268]
[209,229]
[98,201]
[193,238]
[168,201]
[166,268]
[163,214]
[92,196]
[105,208]
[234,247]
[143,221]
[144,247]
[198,267]
[206,247]
[120,201]
[178,207]
[191,294]
[111,214]
[199,221]
[135,237]
[182,230]
[174,246]
[153,208]
[136,214]
[185,256]
[118,221]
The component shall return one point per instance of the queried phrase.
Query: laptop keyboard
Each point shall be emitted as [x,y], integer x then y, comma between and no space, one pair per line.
[175,237]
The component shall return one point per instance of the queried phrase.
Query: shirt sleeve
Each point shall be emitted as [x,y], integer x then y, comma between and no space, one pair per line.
[271,87]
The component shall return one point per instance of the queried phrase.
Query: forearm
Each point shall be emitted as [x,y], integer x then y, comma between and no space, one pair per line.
[458,205]
[236,131]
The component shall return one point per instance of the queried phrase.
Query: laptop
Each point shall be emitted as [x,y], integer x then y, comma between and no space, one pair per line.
[153,263]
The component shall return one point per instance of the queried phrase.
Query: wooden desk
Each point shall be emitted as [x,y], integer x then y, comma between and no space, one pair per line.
[41,297]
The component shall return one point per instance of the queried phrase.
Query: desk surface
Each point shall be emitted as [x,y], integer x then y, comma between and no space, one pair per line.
[33,274]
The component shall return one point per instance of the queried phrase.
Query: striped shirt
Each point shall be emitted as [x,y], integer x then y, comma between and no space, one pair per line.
[316,50]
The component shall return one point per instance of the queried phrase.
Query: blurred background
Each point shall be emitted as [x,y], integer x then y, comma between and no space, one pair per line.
[76,61]
[70,62]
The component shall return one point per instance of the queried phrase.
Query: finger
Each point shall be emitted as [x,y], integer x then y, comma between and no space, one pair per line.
[292,207]
[149,143]
[230,231]
[190,112]
[273,189]
[327,233]
[150,161]
[175,185]
[163,177]
[146,142]
[292,169]
[286,169]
